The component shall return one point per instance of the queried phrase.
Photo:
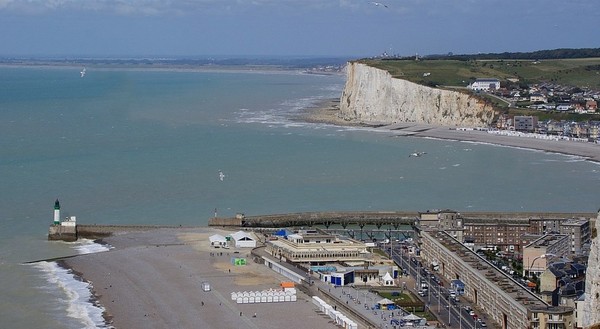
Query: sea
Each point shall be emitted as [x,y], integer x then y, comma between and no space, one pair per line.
[145,146]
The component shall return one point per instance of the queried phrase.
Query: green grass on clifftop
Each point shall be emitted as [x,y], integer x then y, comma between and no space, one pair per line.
[583,72]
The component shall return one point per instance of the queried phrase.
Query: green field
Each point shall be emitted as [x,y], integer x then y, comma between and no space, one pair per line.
[568,72]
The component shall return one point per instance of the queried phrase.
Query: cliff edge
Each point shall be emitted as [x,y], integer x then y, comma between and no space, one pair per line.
[591,316]
[373,96]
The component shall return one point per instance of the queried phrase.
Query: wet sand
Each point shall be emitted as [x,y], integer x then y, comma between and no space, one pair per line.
[328,112]
[154,279]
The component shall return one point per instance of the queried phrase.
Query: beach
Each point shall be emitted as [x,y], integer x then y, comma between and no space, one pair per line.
[327,112]
[153,279]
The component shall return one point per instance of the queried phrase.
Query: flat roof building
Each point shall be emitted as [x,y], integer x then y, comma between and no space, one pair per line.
[548,247]
[580,234]
[505,300]
[317,249]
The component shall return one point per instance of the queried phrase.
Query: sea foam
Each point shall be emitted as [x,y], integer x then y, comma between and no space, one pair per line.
[75,295]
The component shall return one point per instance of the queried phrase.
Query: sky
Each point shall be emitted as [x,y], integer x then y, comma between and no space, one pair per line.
[346,28]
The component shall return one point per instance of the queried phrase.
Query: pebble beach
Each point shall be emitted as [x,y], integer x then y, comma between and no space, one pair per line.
[327,112]
[153,279]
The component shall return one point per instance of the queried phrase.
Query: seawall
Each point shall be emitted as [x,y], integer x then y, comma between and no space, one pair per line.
[373,96]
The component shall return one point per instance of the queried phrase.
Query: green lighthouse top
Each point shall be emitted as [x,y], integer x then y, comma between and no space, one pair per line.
[57,205]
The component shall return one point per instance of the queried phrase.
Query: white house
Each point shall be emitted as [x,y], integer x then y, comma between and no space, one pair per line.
[242,239]
[485,84]
[537,97]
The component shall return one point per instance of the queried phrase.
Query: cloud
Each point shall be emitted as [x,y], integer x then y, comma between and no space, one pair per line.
[156,7]
[183,7]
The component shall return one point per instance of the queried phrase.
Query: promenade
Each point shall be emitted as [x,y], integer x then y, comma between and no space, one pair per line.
[355,301]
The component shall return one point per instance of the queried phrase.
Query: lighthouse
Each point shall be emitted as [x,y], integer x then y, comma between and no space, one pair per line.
[56,212]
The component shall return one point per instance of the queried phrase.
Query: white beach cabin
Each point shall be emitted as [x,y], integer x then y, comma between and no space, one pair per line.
[242,239]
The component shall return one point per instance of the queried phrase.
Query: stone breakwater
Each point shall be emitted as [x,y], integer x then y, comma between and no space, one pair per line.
[373,96]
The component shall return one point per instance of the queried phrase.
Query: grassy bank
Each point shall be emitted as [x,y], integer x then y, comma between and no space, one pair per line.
[572,72]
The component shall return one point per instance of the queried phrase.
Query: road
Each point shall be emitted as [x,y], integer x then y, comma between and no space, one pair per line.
[453,315]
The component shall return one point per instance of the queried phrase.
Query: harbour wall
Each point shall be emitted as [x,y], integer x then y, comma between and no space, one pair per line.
[386,219]
[72,233]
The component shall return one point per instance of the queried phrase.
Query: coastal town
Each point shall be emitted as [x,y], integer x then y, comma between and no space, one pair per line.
[545,98]
[430,269]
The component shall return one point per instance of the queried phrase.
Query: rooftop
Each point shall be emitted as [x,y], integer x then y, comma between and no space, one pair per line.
[546,240]
[500,279]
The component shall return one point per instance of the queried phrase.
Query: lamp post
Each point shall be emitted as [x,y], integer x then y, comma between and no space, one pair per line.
[418,282]
[439,300]
[536,258]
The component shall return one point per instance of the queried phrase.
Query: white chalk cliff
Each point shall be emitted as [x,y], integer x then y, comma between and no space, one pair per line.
[372,95]
[591,314]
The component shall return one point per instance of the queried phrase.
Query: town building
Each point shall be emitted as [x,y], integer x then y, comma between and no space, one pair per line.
[484,84]
[526,123]
[549,246]
[508,233]
[538,98]
[498,294]
[591,105]
[562,283]
[317,249]
[580,234]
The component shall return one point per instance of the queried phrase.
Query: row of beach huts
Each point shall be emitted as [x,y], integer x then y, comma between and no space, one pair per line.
[287,294]
[337,316]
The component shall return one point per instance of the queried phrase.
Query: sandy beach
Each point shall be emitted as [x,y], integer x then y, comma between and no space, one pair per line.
[153,279]
[328,112]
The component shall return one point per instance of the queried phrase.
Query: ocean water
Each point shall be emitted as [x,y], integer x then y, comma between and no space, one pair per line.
[146,147]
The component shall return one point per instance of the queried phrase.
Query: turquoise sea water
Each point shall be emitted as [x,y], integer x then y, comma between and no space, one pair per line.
[146,147]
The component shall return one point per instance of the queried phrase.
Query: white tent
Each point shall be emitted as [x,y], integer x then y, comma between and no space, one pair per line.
[217,240]
[385,301]
[242,239]
[411,317]
[387,279]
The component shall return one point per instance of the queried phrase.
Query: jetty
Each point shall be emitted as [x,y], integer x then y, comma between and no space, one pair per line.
[400,222]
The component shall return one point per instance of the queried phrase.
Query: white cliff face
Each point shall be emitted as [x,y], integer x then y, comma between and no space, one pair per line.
[591,316]
[371,95]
